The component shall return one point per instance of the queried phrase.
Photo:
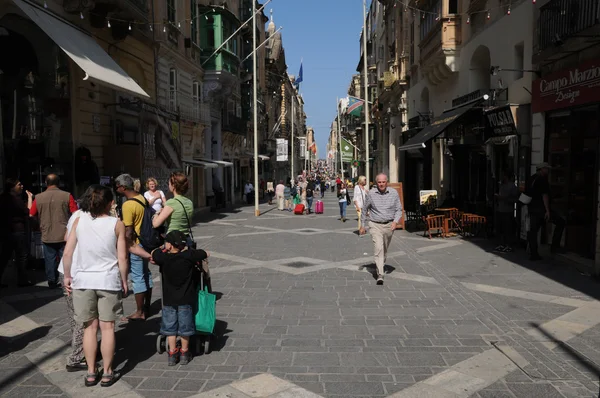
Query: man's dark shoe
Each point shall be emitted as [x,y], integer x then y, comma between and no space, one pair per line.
[77,367]
[54,285]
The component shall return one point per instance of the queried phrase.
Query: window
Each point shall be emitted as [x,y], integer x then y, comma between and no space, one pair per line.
[196,98]
[173,89]
[194,25]
[519,60]
[171,11]
[452,6]
[430,18]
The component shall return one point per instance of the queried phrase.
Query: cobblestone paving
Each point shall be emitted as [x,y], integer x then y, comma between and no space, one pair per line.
[297,301]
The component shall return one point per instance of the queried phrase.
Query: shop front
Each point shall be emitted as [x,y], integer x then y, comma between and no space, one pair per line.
[570,103]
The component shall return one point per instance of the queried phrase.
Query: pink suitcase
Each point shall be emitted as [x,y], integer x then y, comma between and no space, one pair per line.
[319,207]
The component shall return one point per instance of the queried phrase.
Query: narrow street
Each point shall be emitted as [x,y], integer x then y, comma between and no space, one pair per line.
[299,315]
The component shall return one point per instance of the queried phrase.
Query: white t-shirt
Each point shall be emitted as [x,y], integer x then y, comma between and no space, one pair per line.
[343,193]
[158,203]
[61,266]
[359,196]
[97,261]
[248,188]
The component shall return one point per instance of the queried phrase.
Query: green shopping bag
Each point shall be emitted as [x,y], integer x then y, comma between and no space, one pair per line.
[205,316]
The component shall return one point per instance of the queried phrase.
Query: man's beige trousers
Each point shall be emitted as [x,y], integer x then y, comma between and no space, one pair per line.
[382,236]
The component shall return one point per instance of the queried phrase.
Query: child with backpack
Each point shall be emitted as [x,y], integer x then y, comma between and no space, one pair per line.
[181,272]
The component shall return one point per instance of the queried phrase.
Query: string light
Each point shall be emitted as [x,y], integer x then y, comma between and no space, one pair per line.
[108,23]
[489,15]
[533,1]
[80,15]
[129,26]
[164,28]
[45,4]
[508,11]
[437,17]
[150,27]
[468,20]
[179,25]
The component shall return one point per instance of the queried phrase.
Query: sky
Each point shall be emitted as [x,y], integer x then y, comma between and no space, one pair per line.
[325,34]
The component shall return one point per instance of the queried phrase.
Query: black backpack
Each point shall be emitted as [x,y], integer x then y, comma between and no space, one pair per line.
[151,238]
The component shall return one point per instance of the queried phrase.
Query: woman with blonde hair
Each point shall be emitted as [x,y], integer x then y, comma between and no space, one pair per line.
[154,196]
[360,193]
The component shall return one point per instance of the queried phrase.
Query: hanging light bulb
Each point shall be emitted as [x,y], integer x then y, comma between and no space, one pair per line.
[191,21]
[164,28]
[489,15]
[179,25]
[45,4]
[437,17]
[130,26]
[533,1]
[508,11]
[422,15]
[150,27]
[468,20]
[108,23]
[80,15]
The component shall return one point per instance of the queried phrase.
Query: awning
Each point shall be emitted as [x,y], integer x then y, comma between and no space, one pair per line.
[200,163]
[437,126]
[83,50]
[217,163]
[263,157]
[502,140]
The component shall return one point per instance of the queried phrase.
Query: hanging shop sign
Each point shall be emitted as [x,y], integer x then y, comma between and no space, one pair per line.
[282,150]
[500,121]
[567,88]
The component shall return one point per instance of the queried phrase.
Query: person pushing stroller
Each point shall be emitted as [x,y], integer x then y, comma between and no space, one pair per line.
[181,271]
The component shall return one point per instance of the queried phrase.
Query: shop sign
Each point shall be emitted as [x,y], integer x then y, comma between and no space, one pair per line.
[282,150]
[567,88]
[500,121]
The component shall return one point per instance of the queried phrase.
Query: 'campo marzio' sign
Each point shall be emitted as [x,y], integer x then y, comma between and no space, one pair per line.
[567,88]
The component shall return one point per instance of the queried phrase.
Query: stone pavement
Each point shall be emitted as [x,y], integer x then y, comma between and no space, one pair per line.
[299,315]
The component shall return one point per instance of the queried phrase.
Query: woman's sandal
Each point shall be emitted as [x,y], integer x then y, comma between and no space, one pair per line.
[96,378]
[112,379]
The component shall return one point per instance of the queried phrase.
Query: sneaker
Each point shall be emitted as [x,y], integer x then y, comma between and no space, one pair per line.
[380,280]
[499,248]
[186,357]
[173,357]
[507,249]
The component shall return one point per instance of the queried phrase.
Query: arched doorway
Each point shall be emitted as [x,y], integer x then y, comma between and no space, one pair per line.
[481,63]
[34,104]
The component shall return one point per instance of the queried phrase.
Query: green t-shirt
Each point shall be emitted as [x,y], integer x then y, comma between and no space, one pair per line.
[178,221]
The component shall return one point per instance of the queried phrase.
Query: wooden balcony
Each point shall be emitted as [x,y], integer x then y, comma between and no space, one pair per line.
[440,49]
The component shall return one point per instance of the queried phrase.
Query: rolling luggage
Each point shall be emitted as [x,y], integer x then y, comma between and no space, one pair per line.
[319,207]
[299,209]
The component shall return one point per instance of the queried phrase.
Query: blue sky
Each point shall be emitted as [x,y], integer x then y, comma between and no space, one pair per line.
[326,34]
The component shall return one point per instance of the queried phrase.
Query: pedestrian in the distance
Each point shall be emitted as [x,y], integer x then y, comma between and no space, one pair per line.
[270,191]
[155,197]
[280,194]
[506,197]
[360,192]
[385,211]
[342,200]
[310,189]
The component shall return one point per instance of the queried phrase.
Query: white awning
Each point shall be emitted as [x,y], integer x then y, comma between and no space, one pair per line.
[200,163]
[83,50]
[263,157]
[217,163]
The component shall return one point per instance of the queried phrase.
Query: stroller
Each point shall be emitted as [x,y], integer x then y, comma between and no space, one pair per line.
[201,339]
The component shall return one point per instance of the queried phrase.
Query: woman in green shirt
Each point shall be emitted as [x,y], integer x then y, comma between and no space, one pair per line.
[179,210]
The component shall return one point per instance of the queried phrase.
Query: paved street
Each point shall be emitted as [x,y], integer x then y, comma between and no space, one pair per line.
[299,315]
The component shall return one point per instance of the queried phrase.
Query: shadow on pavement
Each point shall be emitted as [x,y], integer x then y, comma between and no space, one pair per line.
[19,342]
[585,362]
[372,268]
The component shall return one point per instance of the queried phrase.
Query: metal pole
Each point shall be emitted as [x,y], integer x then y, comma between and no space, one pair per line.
[293,117]
[366,84]
[262,44]
[254,81]
[339,129]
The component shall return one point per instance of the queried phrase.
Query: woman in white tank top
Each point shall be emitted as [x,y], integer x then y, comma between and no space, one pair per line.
[100,278]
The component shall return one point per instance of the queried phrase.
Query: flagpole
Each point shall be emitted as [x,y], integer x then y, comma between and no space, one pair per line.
[255,100]
[339,129]
[366,84]
[293,117]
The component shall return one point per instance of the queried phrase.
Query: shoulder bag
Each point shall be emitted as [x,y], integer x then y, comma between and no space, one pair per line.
[191,241]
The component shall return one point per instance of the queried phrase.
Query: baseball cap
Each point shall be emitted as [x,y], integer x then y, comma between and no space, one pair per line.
[176,238]
[544,165]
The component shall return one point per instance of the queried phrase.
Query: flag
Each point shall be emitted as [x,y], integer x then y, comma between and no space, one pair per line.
[347,151]
[313,148]
[299,79]
[354,106]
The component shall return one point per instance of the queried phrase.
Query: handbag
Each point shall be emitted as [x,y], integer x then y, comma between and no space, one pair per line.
[205,316]
[524,198]
[191,242]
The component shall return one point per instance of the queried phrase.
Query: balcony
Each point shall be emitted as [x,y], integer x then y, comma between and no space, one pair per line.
[560,20]
[440,49]
[233,124]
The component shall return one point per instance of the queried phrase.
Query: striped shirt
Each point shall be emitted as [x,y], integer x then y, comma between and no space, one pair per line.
[382,206]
